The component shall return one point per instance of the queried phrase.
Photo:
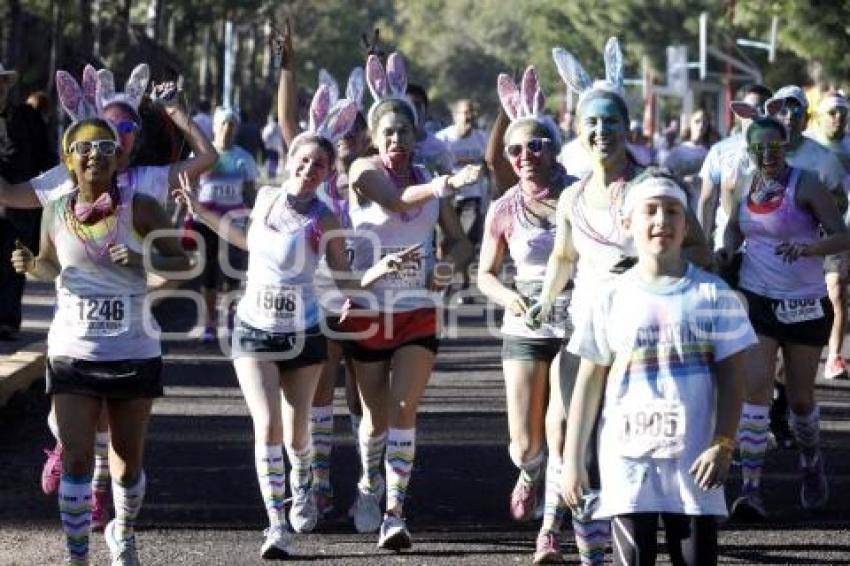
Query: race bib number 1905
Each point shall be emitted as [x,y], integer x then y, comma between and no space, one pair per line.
[654,428]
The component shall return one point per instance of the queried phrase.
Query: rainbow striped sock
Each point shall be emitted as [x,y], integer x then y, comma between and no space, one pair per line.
[371,457]
[128,502]
[270,474]
[322,419]
[300,475]
[401,448]
[100,479]
[592,538]
[806,430]
[75,501]
[752,443]
[554,507]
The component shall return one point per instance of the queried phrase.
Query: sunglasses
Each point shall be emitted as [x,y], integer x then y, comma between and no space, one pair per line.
[126,127]
[534,146]
[104,147]
[770,147]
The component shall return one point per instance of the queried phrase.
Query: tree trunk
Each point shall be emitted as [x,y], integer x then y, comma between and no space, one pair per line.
[12,34]
[154,18]
[86,36]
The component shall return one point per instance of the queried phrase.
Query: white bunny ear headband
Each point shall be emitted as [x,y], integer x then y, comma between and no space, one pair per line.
[330,116]
[389,84]
[574,75]
[98,91]
[747,111]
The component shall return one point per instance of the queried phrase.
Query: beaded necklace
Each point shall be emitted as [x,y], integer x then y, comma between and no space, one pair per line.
[615,196]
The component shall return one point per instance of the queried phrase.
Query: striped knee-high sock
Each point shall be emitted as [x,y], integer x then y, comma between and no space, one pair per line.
[554,507]
[271,476]
[592,538]
[355,430]
[100,479]
[128,502]
[752,443]
[371,458]
[75,501]
[323,432]
[300,475]
[806,430]
[401,448]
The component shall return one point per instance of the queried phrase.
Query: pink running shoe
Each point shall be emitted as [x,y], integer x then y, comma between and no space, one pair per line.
[835,368]
[99,510]
[51,473]
[523,500]
[548,548]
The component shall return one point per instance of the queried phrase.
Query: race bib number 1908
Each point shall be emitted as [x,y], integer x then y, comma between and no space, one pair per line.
[282,306]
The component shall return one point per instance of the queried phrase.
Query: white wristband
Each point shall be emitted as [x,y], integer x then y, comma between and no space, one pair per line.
[440,186]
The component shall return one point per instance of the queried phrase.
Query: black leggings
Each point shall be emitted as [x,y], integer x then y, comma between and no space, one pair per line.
[691,540]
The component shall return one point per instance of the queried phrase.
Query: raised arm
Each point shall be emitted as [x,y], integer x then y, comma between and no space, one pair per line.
[287,89]
[501,173]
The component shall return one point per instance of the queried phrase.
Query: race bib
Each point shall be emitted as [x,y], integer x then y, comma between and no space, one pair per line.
[792,311]
[654,428]
[96,315]
[221,193]
[410,276]
[281,307]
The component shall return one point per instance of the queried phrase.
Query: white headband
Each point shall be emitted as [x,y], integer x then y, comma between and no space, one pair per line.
[652,187]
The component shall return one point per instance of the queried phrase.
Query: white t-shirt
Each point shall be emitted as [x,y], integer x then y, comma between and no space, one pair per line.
[661,344]
[272,138]
[149,180]
[466,151]
[685,159]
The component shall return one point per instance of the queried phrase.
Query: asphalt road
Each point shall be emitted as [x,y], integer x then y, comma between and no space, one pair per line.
[203,506]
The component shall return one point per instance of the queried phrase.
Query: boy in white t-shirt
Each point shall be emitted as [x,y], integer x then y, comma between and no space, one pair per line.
[664,350]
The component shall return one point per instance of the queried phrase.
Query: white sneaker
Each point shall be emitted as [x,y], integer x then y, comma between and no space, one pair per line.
[394,534]
[367,511]
[278,543]
[303,514]
[123,552]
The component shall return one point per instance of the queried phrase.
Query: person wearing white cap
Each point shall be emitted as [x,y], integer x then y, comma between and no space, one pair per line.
[830,132]
[659,340]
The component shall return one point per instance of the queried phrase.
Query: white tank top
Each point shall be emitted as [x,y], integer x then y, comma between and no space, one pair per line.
[601,243]
[279,293]
[406,290]
[101,312]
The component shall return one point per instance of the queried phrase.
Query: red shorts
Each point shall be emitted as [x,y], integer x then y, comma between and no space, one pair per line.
[378,336]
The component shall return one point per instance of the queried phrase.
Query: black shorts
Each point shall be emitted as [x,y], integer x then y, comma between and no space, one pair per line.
[355,351]
[116,379]
[530,349]
[213,275]
[762,313]
[290,350]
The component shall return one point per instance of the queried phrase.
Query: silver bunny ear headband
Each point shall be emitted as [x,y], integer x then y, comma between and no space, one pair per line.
[389,84]
[574,75]
[525,102]
[330,116]
[98,91]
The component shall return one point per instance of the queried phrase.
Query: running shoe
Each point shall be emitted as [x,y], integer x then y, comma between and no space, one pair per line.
[835,368]
[51,473]
[548,548]
[749,507]
[303,514]
[324,502]
[367,511]
[524,499]
[278,543]
[394,534]
[123,551]
[814,492]
[99,510]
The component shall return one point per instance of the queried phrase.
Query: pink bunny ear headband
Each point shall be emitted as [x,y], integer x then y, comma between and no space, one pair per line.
[389,84]
[574,75]
[98,92]
[330,117]
[525,103]
[747,111]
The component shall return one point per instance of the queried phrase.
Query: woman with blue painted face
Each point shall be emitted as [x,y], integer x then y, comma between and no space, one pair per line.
[778,215]
[591,247]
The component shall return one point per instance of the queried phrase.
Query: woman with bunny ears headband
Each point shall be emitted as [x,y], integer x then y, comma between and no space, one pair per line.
[334,193]
[396,205]
[591,246]
[277,347]
[102,354]
[521,225]
[778,213]
[98,97]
